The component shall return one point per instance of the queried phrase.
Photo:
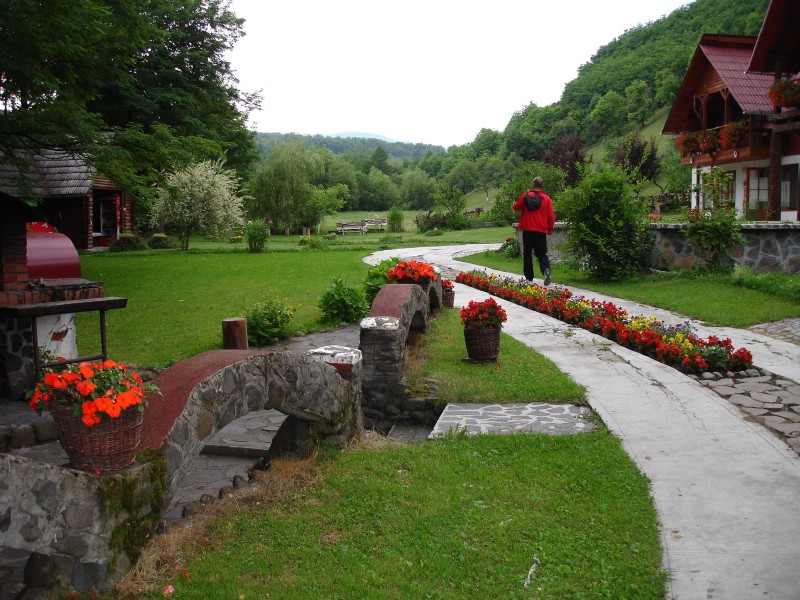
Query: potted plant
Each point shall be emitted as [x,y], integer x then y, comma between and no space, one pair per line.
[448,293]
[482,323]
[98,410]
[733,135]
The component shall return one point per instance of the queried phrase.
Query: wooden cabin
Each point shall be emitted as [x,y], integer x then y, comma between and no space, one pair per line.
[89,209]
[724,116]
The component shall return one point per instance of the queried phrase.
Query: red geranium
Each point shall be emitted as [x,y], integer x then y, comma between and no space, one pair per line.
[411,269]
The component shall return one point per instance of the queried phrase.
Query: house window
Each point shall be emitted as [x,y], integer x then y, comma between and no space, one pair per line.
[789,187]
[756,194]
[729,193]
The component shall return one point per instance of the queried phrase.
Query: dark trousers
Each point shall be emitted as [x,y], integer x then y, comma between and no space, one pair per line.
[534,242]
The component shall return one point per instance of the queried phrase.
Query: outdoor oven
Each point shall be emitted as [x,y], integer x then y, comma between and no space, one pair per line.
[41,291]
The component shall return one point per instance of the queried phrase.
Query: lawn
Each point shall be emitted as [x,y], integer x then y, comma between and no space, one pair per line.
[474,516]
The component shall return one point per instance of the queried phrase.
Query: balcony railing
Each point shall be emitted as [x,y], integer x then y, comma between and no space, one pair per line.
[730,143]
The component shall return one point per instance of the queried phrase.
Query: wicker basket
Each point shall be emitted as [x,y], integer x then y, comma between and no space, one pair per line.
[448,297]
[107,446]
[482,344]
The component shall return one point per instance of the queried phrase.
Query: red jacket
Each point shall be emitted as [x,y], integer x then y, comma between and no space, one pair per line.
[538,220]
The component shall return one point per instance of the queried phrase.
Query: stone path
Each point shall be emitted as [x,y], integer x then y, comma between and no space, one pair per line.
[536,417]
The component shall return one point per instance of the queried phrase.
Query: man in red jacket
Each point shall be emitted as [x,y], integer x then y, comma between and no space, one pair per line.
[535,223]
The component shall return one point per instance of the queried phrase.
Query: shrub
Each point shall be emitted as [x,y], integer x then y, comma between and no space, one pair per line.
[268,321]
[377,277]
[127,241]
[312,242]
[510,248]
[394,219]
[257,235]
[608,227]
[342,303]
[715,230]
[161,241]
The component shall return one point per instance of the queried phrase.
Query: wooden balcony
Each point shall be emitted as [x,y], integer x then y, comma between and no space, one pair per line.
[725,157]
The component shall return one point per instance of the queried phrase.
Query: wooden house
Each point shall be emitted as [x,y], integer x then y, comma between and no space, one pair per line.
[724,115]
[89,209]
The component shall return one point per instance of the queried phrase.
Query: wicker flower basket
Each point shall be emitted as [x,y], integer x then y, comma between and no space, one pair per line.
[482,344]
[107,446]
[448,297]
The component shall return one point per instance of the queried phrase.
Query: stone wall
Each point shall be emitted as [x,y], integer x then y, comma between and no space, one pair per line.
[769,247]
[399,314]
[84,531]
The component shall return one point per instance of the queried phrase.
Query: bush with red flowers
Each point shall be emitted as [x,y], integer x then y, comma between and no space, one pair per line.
[785,93]
[675,345]
[411,270]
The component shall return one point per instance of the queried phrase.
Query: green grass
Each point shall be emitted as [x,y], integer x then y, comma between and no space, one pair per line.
[715,299]
[464,517]
[520,375]
[177,300]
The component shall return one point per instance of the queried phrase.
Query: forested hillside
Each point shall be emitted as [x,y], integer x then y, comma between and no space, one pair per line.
[612,99]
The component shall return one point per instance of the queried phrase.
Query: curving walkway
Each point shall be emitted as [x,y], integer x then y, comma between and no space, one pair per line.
[727,490]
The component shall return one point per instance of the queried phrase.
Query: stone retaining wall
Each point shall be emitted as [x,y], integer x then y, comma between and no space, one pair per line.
[769,247]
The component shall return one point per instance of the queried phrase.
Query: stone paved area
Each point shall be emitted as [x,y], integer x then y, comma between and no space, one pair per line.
[537,417]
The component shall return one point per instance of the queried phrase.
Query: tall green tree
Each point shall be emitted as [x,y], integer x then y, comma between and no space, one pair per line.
[608,115]
[638,101]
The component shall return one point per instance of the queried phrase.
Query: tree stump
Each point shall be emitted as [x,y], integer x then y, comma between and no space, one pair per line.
[234,334]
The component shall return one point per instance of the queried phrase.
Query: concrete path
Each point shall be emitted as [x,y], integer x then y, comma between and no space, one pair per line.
[727,490]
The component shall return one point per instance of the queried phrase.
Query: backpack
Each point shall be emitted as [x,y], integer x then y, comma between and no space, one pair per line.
[533,200]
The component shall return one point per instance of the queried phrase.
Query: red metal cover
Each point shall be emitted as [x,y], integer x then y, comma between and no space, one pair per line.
[52,256]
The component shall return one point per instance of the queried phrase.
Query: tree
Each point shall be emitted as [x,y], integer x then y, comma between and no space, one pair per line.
[417,189]
[324,201]
[608,115]
[200,198]
[567,154]
[638,101]
[114,81]
[637,157]
[378,191]
[667,84]
[487,142]
[280,188]
[380,160]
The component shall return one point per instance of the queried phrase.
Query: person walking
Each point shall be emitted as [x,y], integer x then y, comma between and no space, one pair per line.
[536,222]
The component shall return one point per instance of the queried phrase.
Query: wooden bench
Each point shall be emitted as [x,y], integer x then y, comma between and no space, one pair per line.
[374,224]
[351,228]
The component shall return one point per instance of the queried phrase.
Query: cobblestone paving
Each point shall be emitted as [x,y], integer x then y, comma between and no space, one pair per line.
[536,417]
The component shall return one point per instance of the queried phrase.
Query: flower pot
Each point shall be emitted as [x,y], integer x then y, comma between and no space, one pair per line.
[448,297]
[482,344]
[107,446]
[423,282]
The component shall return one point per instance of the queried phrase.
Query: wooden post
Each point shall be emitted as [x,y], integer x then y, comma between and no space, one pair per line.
[234,334]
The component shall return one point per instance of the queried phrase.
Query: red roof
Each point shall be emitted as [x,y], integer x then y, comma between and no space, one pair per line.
[778,45]
[729,56]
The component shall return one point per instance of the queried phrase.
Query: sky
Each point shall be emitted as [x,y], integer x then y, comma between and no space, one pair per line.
[421,71]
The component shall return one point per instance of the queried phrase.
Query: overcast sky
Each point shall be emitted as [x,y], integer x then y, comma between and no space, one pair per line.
[427,71]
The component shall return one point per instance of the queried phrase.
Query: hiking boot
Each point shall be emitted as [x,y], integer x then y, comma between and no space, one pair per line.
[546,277]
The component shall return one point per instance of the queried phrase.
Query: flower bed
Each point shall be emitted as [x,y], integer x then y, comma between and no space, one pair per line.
[411,270]
[674,345]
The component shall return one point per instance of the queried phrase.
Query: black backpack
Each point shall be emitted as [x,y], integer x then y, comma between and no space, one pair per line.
[533,200]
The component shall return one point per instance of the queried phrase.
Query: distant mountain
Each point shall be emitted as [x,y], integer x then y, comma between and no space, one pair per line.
[359,143]
[367,136]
